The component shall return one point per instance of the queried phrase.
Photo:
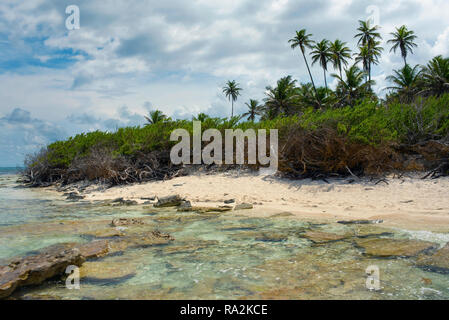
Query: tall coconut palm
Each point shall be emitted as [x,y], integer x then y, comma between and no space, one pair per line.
[156,116]
[405,82]
[436,76]
[340,55]
[303,41]
[281,99]
[369,55]
[368,37]
[253,109]
[403,39]
[322,55]
[353,87]
[232,91]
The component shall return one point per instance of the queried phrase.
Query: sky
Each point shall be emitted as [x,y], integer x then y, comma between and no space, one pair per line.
[131,57]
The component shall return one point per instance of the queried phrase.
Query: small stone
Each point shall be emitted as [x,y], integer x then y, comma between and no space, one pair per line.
[243,206]
[170,201]
[229,201]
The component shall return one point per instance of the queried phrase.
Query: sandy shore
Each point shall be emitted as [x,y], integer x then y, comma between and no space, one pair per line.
[407,202]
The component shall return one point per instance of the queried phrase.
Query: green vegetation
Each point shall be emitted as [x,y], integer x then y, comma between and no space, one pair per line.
[321,131]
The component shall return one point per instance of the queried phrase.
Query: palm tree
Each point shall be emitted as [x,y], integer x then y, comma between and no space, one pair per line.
[253,109]
[370,49]
[353,87]
[405,82]
[322,55]
[436,76]
[156,116]
[369,55]
[232,91]
[201,117]
[303,41]
[404,40]
[340,55]
[281,99]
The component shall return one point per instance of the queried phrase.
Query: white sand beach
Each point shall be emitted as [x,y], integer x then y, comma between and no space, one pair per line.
[406,202]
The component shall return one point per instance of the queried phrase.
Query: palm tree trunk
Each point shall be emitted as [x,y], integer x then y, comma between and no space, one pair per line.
[232,110]
[369,75]
[325,80]
[341,75]
[308,69]
[405,61]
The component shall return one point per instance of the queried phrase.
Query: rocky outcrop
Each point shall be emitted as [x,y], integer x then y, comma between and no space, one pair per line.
[322,237]
[120,222]
[393,248]
[54,260]
[37,268]
[170,201]
[437,262]
[243,206]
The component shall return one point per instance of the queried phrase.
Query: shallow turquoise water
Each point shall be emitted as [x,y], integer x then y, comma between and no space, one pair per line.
[213,257]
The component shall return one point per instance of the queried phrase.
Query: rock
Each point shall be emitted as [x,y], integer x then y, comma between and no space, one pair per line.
[229,201]
[140,241]
[104,233]
[204,209]
[170,201]
[243,206]
[35,269]
[281,215]
[94,249]
[366,231]
[73,196]
[437,262]
[190,247]
[185,204]
[322,237]
[361,222]
[107,271]
[152,198]
[272,237]
[121,201]
[393,248]
[126,222]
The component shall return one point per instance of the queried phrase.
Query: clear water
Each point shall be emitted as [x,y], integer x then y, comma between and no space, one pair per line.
[213,257]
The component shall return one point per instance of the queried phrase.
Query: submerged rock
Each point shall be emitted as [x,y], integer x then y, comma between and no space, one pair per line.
[170,201]
[104,233]
[243,206]
[107,270]
[323,237]
[437,262]
[393,248]
[35,269]
[94,249]
[272,237]
[126,222]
